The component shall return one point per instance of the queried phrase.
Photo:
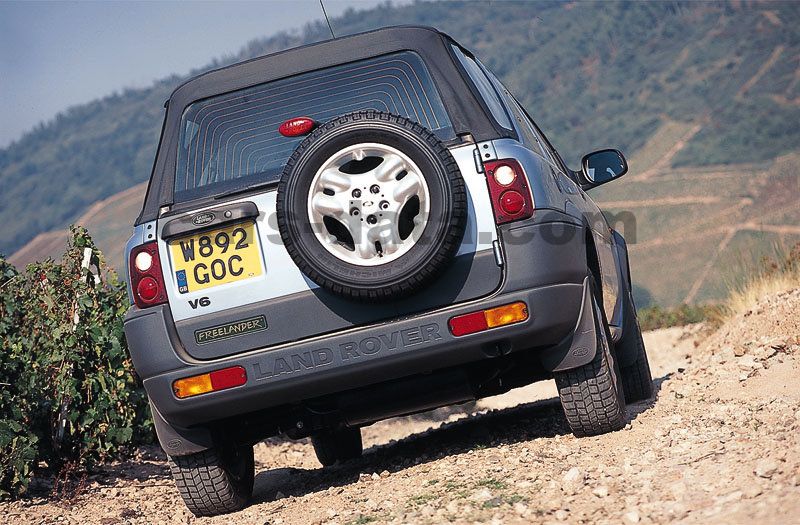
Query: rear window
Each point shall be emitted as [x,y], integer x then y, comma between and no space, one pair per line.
[231,141]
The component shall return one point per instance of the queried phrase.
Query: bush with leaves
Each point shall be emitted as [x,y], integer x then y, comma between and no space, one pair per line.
[68,393]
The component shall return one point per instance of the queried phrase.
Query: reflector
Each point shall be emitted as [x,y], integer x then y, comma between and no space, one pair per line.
[228,378]
[468,324]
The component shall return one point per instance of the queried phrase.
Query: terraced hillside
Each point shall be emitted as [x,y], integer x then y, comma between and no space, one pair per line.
[698,230]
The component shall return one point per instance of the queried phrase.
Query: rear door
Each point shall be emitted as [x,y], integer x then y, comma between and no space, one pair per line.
[232,286]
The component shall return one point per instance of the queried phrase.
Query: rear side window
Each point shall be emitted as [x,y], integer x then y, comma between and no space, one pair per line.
[232,141]
[485,88]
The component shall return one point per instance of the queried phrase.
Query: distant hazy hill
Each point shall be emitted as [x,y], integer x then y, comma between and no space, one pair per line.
[593,74]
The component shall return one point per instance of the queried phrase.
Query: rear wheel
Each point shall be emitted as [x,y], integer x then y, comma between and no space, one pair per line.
[215,481]
[592,395]
[338,445]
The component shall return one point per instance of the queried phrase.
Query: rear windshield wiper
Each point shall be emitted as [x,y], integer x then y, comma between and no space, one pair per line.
[244,189]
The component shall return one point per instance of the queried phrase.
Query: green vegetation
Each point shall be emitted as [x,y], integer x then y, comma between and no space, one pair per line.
[421,499]
[655,317]
[68,393]
[593,74]
[491,483]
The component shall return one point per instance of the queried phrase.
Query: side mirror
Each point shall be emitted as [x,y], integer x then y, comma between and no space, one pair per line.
[602,166]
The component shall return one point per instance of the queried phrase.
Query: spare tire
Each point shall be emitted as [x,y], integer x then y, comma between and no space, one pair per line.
[371,206]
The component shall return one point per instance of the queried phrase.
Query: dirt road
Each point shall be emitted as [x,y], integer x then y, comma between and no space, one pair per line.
[719,444]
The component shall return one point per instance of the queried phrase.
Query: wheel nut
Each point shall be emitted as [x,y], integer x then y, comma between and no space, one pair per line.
[372,219]
[356,193]
[375,188]
[384,205]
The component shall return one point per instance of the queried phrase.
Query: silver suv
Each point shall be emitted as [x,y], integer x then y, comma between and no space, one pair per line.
[358,229]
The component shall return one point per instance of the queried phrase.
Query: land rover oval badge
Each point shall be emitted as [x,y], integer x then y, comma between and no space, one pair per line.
[202,218]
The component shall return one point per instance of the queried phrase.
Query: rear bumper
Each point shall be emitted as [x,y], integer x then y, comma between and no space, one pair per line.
[548,276]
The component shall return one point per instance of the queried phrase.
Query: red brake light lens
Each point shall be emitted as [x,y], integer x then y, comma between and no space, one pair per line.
[512,202]
[295,127]
[147,283]
[147,288]
[508,187]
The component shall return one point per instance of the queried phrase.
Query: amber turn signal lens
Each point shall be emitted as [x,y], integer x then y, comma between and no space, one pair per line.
[192,386]
[506,314]
[211,382]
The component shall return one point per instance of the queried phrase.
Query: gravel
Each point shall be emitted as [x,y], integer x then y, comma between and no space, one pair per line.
[720,443]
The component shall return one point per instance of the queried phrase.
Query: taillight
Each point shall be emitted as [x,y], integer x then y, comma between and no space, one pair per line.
[147,282]
[508,187]
[485,319]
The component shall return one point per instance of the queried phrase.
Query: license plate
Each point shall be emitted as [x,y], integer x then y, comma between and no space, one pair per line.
[216,257]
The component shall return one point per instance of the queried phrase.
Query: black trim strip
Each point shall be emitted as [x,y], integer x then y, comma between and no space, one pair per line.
[209,219]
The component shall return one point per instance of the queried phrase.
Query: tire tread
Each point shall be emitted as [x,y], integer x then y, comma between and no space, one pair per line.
[206,487]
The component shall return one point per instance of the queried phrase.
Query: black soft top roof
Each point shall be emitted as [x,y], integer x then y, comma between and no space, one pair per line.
[467,111]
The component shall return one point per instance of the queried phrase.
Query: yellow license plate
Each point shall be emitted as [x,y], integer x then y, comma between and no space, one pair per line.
[216,257]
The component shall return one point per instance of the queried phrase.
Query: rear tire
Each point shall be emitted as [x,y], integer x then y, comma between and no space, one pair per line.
[592,395]
[637,380]
[216,481]
[339,445]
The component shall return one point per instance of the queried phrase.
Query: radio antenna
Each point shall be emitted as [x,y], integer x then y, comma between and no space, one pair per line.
[326,18]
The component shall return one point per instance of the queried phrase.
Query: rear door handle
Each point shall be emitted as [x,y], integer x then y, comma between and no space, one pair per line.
[208,219]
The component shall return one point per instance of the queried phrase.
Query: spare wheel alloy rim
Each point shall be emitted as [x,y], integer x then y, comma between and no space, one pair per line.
[368,204]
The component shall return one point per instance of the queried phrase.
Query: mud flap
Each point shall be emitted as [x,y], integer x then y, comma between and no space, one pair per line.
[177,441]
[626,353]
[579,349]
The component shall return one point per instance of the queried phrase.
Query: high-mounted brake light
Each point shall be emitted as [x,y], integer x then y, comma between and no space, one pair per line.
[147,283]
[485,319]
[211,382]
[295,127]
[508,187]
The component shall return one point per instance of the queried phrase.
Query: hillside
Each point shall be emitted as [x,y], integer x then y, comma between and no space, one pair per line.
[593,74]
